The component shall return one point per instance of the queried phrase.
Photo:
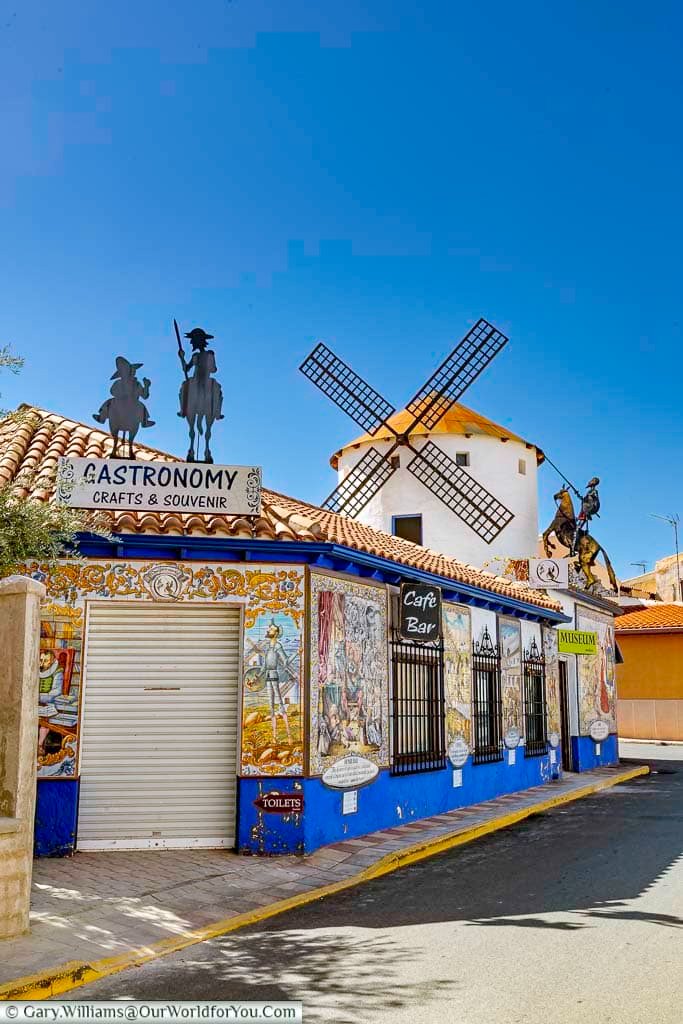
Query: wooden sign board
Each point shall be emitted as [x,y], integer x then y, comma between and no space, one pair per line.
[280,803]
[420,612]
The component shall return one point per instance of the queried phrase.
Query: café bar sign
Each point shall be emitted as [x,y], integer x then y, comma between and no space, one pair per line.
[118,484]
[420,612]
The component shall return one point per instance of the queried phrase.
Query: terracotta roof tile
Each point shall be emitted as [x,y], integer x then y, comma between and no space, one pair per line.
[665,617]
[29,452]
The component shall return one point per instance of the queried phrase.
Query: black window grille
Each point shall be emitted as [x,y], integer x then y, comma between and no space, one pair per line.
[419,734]
[535,709]
[487,711]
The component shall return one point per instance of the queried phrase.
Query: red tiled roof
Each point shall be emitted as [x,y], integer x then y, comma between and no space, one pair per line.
[29,454]
[659,617]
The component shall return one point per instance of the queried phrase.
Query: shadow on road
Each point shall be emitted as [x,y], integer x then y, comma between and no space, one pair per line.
[568,870]
[265,965]
[589,859]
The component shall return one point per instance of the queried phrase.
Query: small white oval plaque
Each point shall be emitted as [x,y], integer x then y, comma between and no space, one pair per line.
[350,772]
[598,730]
[554,740]
[512,737]
[458,752]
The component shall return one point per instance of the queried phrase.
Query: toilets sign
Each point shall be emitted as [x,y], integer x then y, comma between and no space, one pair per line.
[118,484]
[420,612]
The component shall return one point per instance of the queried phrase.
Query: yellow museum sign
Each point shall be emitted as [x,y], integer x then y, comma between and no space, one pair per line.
[576,641]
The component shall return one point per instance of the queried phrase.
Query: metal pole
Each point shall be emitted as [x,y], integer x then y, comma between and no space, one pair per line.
[673,520]
[564,477]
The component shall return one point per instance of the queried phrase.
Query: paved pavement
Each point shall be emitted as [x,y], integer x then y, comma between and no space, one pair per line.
[99,905]
[571,916]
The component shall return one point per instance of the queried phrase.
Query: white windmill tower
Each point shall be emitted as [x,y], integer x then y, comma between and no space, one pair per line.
[435,472]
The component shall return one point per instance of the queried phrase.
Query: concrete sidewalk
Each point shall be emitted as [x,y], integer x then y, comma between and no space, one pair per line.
[98,913]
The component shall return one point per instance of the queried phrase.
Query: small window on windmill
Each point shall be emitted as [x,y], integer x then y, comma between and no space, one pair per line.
[408,527]
[462,458]
[521,467]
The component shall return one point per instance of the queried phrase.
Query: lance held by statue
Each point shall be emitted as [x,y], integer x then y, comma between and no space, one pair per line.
[201,397]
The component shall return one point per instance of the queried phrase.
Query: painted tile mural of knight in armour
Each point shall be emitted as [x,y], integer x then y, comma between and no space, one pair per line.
[349,677]
[457,635]
[597,673]
[273,600]
[272,730]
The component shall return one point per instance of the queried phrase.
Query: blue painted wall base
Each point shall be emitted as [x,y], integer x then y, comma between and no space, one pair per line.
[584,757]
[56,815]
[390,800]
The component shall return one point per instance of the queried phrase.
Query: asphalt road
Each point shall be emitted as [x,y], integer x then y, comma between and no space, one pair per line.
[574,915]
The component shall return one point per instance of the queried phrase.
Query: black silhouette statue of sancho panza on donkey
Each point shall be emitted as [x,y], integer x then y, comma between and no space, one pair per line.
[125,410]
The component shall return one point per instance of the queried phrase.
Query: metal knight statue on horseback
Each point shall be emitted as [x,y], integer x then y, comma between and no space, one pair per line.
[572,531]
[201,397]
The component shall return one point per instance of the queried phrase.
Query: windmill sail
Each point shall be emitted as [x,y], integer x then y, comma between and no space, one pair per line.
[460,492]
[366,478]
[447,384]
[346,389]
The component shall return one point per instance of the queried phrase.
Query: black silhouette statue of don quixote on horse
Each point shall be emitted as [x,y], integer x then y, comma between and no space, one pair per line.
[201,397]
[572,532]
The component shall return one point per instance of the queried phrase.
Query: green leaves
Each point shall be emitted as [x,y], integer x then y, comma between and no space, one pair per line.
[32,530]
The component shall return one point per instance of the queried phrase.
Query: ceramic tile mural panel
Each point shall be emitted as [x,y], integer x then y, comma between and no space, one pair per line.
[272,730]
[273,599]
[509,638]
[349,672]
[597,673]
[457,637]
[59,690]
[552,678]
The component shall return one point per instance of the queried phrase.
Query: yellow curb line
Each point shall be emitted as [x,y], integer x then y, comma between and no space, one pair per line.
[57,980]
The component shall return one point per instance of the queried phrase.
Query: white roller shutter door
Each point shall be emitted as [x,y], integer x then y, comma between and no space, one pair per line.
[159,732]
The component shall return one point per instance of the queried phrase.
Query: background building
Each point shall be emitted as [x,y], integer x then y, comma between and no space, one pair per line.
[664,582]
[650,679]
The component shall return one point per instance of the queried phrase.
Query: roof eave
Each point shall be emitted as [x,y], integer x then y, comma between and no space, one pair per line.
[223,548]
[648,630]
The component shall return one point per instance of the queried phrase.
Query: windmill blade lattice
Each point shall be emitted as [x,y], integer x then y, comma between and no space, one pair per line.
[460,492]
[366,478]
[456,373]
[346,389]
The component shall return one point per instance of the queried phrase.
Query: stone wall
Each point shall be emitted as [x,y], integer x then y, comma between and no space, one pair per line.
[19,638]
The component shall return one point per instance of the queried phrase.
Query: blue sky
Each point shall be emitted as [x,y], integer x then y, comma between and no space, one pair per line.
[377,176]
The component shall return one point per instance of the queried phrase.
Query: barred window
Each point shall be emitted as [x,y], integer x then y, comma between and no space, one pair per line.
[535,709]
[487,711]
[419,743]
